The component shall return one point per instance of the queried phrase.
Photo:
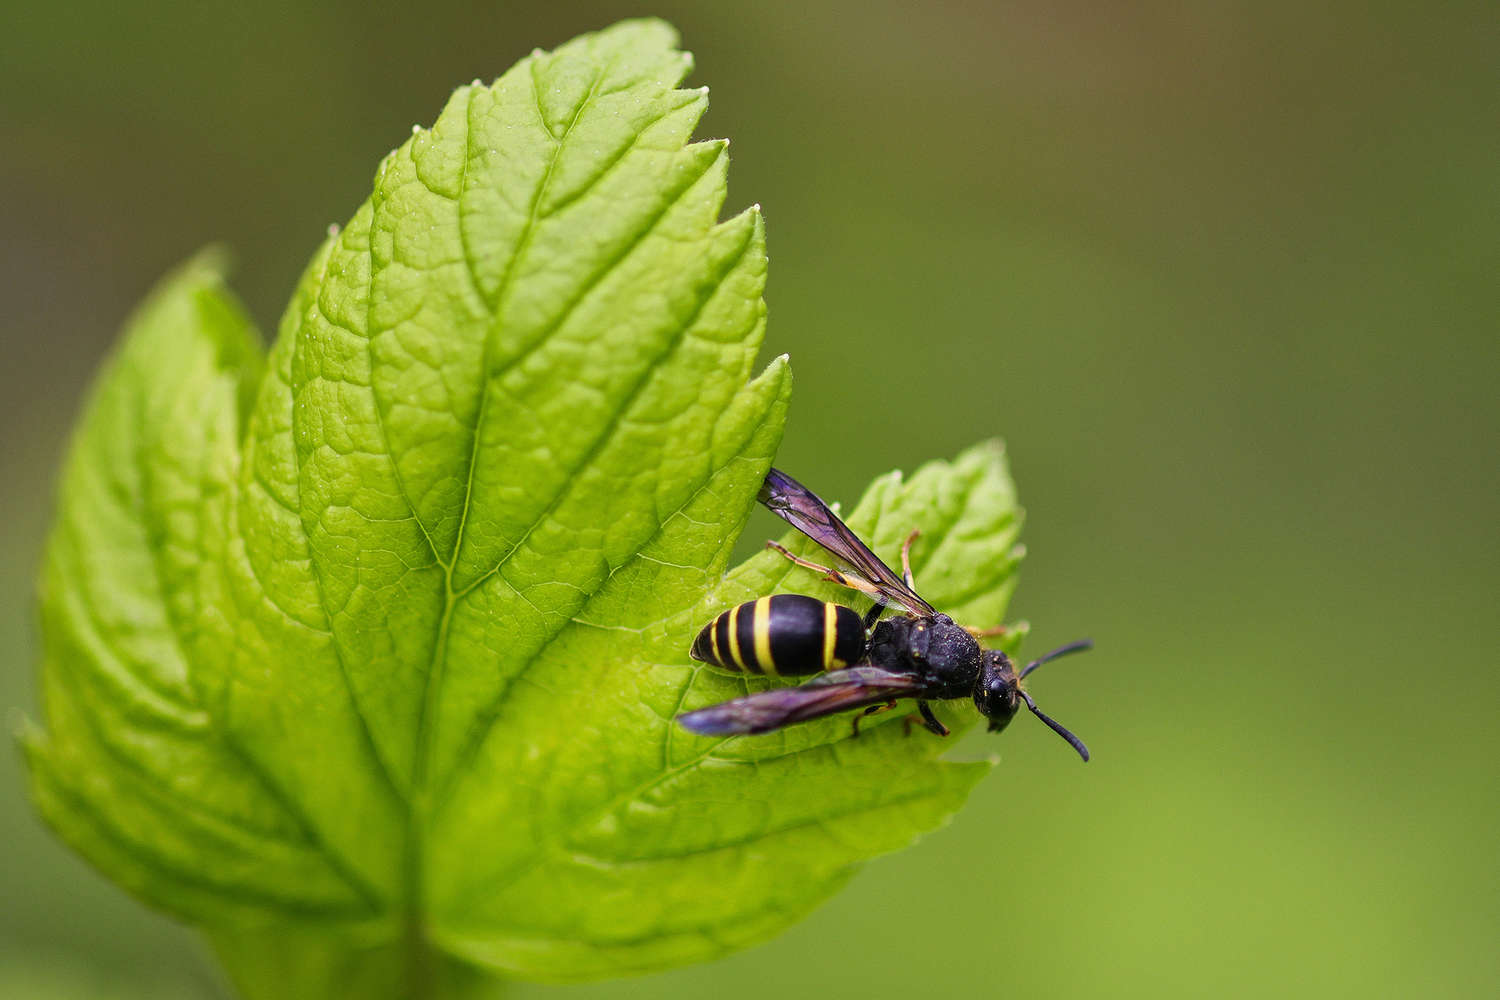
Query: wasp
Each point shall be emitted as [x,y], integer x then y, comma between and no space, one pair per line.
[865,661]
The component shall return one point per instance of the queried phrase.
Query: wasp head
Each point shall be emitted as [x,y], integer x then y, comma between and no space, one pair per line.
[997,691]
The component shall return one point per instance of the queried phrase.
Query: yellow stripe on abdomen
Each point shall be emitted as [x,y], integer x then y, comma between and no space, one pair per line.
[713,641]
[830,635]
[734,636]
[762,625]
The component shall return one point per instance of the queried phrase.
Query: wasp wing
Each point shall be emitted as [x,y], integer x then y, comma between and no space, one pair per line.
[803,510]
[826,694]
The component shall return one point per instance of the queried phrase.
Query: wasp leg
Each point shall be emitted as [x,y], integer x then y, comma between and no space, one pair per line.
[988,633]
[871,711]
[873,615]
[849,580]
[931,721]
[906,558]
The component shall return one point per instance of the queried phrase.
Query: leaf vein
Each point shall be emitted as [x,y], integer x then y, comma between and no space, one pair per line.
[136,851]
[366,732]
[606,434]
[820,820]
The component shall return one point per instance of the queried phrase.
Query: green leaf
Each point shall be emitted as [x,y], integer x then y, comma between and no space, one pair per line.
[364,656]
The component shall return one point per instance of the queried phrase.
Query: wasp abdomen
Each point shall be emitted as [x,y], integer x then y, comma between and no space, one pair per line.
[783,634]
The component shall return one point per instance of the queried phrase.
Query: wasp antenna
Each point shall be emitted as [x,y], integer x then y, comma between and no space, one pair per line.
[1072,647]
[1073,741]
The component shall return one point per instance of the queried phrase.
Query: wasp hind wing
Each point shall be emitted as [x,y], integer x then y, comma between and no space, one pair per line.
[827,694]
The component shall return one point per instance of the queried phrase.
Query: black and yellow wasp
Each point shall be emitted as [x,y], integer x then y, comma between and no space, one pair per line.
[861,661]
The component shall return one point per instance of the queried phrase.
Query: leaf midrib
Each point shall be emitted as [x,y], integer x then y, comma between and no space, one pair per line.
[418,800]
[432,684]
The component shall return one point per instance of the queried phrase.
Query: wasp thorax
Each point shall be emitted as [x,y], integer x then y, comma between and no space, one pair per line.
[946,655]
[945,643]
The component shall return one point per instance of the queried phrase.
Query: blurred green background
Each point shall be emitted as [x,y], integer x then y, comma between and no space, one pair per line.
[1223,275]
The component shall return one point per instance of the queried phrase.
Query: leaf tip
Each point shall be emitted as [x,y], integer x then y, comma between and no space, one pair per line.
[35,748]
[994,446]
[209,266]
[27,734]
[640,33]
[779,372]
